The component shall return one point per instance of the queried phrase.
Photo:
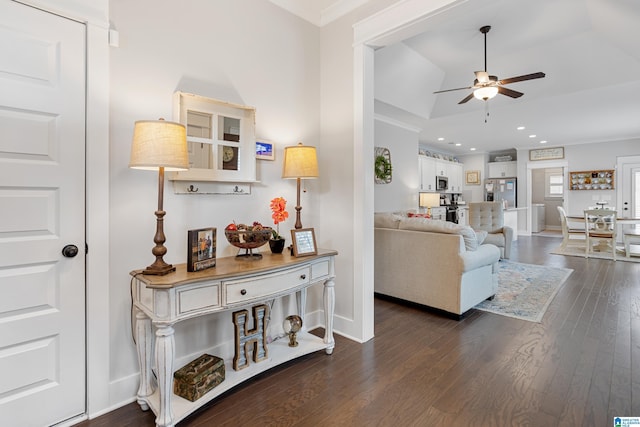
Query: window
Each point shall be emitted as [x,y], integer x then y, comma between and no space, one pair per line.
[554,184]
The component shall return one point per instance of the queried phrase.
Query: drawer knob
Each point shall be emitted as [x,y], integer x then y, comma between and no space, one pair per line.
[303,276]
[243,292]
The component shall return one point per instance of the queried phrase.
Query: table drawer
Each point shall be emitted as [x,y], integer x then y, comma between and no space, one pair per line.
[262,286]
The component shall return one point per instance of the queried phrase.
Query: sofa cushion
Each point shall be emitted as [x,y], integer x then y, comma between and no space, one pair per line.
[386,220]
[438,226]
[481,235]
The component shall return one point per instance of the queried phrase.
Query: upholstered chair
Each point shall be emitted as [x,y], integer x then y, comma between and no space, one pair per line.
[489,217]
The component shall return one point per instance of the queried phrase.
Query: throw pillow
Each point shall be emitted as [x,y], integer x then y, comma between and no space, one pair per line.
[418,215]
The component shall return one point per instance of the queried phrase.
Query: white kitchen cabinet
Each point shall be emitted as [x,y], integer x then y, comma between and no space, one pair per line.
[439,213]
[503,169]
[427,173]
[442,167]
[463,216]
[455,175]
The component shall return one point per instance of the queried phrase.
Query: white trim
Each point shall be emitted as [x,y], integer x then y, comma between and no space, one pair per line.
[393,23]
[339,9]
[398,21]
[397,123]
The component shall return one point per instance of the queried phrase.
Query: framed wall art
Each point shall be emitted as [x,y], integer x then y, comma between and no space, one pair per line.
[304,242]
[472,178]
[546,153]
[201,249]
[265,150]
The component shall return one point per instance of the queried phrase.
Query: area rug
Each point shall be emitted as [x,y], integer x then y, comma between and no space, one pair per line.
[525,290]
[620,256]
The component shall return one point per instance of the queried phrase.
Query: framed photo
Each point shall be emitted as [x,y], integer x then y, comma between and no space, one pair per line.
[304,242]
[201,249]
[546,153]
[473,178]
[265,150]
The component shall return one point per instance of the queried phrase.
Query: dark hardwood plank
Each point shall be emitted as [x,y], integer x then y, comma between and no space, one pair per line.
[580,366]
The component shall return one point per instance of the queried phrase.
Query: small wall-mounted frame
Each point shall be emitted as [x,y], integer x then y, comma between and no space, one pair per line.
[265,150]
[304,242]
[201,249]
[472,178]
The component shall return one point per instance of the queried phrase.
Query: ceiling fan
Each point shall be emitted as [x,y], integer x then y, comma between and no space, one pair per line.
[486,87]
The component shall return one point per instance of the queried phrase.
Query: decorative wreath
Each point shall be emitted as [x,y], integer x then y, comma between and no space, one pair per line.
[382,166]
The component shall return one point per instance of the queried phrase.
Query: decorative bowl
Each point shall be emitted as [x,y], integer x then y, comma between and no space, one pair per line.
[248,240]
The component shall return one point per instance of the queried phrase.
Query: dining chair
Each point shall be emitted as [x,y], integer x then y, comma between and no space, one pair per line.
[571,236]
[600,226]
[630,236]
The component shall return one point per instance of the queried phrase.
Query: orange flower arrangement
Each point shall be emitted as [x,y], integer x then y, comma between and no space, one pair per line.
[278,207]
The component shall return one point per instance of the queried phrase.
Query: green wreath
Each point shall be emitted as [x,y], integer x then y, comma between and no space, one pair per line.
[383,168]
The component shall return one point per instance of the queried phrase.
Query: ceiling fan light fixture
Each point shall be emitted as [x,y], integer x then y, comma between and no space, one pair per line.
[485,93]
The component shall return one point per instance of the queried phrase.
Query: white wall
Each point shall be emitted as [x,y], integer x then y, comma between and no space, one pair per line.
[247,52]
[402,192]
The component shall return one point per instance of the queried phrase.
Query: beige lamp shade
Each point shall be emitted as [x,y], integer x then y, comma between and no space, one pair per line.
[300,161]
[159,143]
[429,200]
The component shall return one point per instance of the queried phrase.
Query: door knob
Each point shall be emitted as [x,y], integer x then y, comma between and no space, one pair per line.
[70,251]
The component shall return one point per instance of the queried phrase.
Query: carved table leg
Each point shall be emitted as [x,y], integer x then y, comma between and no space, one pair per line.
[329,307]
[165,353]
[143,345]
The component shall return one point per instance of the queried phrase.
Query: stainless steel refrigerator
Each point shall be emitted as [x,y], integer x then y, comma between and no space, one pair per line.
[501,189]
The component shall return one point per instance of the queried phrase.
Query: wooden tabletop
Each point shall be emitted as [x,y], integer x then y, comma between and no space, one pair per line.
[228,267]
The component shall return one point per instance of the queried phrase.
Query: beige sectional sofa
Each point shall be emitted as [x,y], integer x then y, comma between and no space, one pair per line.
[434,263]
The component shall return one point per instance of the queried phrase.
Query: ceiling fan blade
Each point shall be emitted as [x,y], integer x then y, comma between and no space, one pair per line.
[509,92]
[451,90]
[531,76]
[466,99]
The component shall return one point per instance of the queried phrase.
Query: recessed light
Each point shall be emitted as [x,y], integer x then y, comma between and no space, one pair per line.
[520,128]
[472,149]
[458,144]
[441,139]
[543,142]
[532,136]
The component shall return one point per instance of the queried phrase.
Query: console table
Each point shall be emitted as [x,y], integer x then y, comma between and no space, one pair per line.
[162,301]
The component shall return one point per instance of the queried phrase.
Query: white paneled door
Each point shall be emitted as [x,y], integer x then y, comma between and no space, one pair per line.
[42,211]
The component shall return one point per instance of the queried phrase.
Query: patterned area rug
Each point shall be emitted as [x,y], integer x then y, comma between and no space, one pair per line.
[525,290]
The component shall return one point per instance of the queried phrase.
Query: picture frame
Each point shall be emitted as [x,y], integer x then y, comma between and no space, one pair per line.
[265,150]
[472,177]
[304,242]
[201,249]
[546,153]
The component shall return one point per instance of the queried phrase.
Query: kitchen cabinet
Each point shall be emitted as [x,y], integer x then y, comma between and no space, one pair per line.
[503,169]
[427,173]
[439,213]
[463,216]
[431,167]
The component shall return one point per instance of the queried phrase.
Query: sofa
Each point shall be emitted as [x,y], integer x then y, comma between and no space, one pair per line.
[489,217]
[433,263]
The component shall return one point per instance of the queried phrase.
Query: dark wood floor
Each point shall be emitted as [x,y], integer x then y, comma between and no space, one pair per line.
[579,367]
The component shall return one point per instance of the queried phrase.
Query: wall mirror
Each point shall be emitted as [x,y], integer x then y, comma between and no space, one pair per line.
[220,138]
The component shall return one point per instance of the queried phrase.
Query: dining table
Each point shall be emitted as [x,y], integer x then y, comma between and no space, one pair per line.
[621,221]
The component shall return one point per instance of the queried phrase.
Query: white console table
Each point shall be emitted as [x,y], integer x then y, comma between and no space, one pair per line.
[162,301]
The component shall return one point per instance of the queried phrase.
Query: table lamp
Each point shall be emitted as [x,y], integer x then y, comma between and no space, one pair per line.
[159,145]
[428,200]
[300,162]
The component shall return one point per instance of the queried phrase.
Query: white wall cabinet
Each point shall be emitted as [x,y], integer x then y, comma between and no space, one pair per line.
[427,173]
[430,168]
[221,139]
[503,169]
[439,213]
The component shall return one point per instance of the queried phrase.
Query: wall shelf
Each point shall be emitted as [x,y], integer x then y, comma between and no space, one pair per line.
[592,180]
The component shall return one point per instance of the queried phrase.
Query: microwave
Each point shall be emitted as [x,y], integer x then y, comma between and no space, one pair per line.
[442,183]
